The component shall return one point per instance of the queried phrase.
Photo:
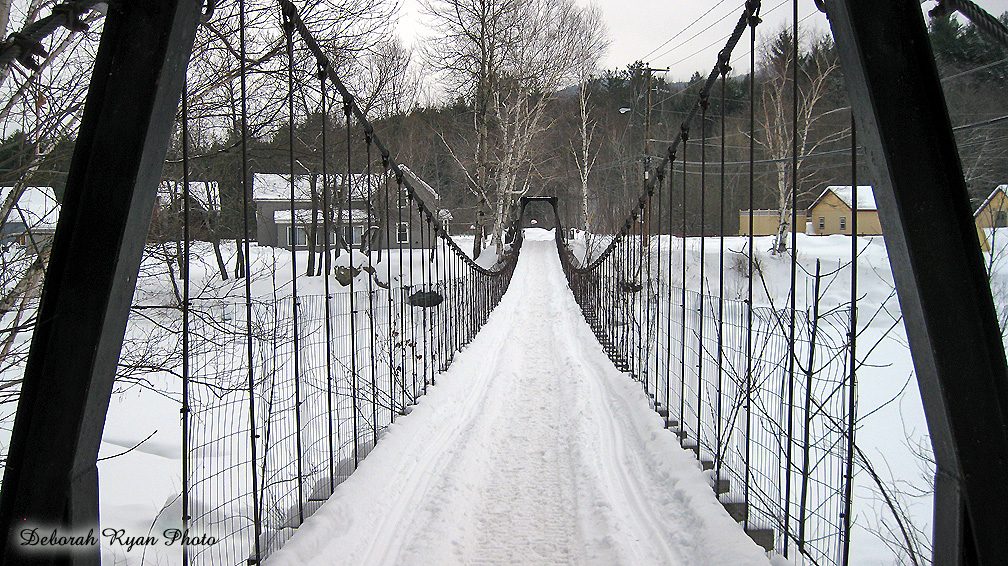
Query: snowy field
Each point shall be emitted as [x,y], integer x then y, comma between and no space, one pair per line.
[140,488]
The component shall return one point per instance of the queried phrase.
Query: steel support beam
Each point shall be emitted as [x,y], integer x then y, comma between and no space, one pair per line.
[938,268]
[552,201]
[51,478]
[523,202]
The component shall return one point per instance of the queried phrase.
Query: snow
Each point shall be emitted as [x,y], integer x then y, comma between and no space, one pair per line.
[419,183]
[277,186]
[891,425]
[998,189]
[865,196]
[206,193]
[532,449]
[136,487]
[37,204]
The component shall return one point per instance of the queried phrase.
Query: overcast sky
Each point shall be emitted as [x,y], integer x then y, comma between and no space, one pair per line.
[639,28]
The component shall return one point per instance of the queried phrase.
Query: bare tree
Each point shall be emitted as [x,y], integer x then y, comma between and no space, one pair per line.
[509,59]
[583,154]
[817,70]
[41,106]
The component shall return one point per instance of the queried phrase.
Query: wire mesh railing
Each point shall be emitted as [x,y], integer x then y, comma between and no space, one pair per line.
[733,409]
[763,395]
[285,395]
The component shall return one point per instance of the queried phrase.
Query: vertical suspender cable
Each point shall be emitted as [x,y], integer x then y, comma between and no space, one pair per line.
[684,132]
[423,320]
[344,184]
[326,206]
[648,288]
[633,245]
[633,258]
[794,269]
[185,319]
[402,292]
[256,511]
[624,268]
[658,295]
[754,21]
[432,239]
[628,255]
[366,246]
[852,343]
[406,304]
[638,251]
[289,33]
[719,450]
[388,280]
[808,414]
[457,286]
[668,300]
[704,104]
[355,386]
[440,286]
[444,267]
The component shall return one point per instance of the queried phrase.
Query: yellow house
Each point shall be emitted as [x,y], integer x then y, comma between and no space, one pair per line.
[832,212]
[993,213]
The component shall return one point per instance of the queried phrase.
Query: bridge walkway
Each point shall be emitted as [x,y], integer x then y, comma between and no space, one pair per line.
[531,449]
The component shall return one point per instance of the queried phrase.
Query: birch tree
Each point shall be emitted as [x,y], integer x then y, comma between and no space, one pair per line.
[509,59]
[583,152]
[817,75]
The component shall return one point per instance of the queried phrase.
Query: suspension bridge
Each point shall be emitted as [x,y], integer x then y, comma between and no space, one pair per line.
[568,400]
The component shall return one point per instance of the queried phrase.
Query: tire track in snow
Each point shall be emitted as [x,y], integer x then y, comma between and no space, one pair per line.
[620,469]
[518,510]
[532,449]
[388,540]
[525,510]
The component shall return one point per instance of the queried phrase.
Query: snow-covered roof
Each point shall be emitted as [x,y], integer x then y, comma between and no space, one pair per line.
[206,193]
[997,189]
[37,205]
[420,184]
[865,197]
[353,216]
[277,186]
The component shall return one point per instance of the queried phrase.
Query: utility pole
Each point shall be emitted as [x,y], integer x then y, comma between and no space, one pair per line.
[646,160]
[647,123]
[647,117]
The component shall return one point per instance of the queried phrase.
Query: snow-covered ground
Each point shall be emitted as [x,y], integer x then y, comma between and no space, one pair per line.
[532,449]
[138,488]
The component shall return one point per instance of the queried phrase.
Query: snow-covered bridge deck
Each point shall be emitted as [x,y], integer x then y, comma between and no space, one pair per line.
[532,449]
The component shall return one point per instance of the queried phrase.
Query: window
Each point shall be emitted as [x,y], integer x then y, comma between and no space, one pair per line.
[843,222]
[402,234]
[1001,219]
[822,222]
[353,235]
[403,197]
[320,238]
[297,235]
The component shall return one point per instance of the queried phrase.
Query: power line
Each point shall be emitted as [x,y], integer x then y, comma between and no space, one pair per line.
[801,21]
[699,51]
[974,70]
[694,36]
[682,31]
